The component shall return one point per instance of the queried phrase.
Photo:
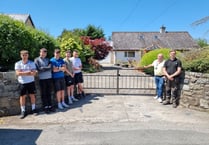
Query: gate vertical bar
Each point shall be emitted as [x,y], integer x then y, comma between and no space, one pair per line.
[118,81]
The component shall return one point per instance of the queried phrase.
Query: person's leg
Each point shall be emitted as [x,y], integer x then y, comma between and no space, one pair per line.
[160,86]
[43,88]
[22,92]
[174,92]
[48,92]
[168,93]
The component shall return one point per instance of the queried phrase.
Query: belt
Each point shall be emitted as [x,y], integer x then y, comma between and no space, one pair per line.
[159,76]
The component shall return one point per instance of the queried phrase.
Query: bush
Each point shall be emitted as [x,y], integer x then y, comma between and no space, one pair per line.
[196,60]
[149,57]
[15,36]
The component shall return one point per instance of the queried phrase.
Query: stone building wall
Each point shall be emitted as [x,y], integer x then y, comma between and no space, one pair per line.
[194,93]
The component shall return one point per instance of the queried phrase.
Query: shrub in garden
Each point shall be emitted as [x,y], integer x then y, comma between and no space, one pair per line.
[196,60]
[149,57]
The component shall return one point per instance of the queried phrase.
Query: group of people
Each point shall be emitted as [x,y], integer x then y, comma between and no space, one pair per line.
[62,73]
[167,71]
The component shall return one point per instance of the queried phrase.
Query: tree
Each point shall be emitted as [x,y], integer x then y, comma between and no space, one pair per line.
[94,32]
[100,47]
[202,42]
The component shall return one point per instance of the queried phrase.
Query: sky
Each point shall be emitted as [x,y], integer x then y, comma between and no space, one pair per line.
[53,16]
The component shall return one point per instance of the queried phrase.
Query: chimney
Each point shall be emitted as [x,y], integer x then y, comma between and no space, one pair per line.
[162,29]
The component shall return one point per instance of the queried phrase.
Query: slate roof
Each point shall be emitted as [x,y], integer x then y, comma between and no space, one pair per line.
[25,18]
[152,40]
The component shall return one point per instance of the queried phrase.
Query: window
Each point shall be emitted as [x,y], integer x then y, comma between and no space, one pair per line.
[129,54]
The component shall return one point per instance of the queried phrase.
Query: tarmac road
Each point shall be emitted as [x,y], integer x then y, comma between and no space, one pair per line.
[109,120]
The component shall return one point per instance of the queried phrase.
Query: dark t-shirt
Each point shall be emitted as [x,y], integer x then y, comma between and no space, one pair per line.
[172,65]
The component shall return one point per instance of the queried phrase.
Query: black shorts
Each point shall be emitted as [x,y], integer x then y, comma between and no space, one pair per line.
[69,80]
[78,78]
[59,84]
[28,88]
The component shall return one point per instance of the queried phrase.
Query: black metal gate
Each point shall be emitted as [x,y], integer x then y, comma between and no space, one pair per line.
[119,81]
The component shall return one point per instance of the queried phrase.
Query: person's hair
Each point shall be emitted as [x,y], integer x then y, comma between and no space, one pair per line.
[43,49]
[68,51]
[23,52]
[75,51]
[172,50]
[57,50]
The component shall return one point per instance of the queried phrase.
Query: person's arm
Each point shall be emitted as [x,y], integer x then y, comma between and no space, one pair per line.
[147,66]
[177,72]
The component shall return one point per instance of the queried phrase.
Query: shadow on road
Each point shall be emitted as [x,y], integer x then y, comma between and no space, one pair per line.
[19,136]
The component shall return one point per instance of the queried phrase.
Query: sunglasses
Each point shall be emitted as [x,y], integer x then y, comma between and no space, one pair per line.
[58,52]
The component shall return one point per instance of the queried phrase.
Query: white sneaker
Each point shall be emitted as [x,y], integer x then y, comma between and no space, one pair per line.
[160,100]
[60,106]
[70,100]
[155,97]
[65,105]
[74,99]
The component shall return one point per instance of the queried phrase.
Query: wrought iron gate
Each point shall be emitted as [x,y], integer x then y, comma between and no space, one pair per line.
[119,81]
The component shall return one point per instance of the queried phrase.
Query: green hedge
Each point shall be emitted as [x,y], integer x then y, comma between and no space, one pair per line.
[15,36]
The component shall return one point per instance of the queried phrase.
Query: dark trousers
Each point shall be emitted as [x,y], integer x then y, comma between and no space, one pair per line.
[45,88]
[172,88]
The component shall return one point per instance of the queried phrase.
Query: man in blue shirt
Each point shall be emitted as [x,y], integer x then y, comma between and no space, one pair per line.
[58,69]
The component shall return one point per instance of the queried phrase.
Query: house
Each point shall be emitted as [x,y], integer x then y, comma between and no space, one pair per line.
[25,18]
[130,45]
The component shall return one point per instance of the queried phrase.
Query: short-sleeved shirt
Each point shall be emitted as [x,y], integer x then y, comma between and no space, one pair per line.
[57,63]
[76,63]
[25,67]
[158,67]
[69,65]
[171,66]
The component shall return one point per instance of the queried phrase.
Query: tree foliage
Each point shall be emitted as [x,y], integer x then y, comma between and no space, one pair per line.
[100,47]
[15,36]
[202,43]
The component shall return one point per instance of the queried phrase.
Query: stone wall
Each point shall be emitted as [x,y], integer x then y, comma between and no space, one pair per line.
[9,95]
[195,91]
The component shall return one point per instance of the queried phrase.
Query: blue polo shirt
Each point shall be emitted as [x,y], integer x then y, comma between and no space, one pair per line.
[57,63]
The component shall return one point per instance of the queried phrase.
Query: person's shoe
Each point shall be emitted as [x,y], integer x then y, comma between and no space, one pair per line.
[52,109]
[35,112]
[46,110]
[155,97]
[166,102]
[174,105]
[74,99]
[70,100]
[65,105]
[160,100]
[83,95]
[60,106]
[23,115]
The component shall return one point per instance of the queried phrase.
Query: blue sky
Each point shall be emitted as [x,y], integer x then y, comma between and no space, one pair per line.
[53,16]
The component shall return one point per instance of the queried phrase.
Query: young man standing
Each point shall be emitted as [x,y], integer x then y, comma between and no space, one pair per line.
[172,69]
[45,79]
[58,68]
[77,67]
[69,77]
[26,70]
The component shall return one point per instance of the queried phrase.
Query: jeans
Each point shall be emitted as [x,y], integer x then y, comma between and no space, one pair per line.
[159,86]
